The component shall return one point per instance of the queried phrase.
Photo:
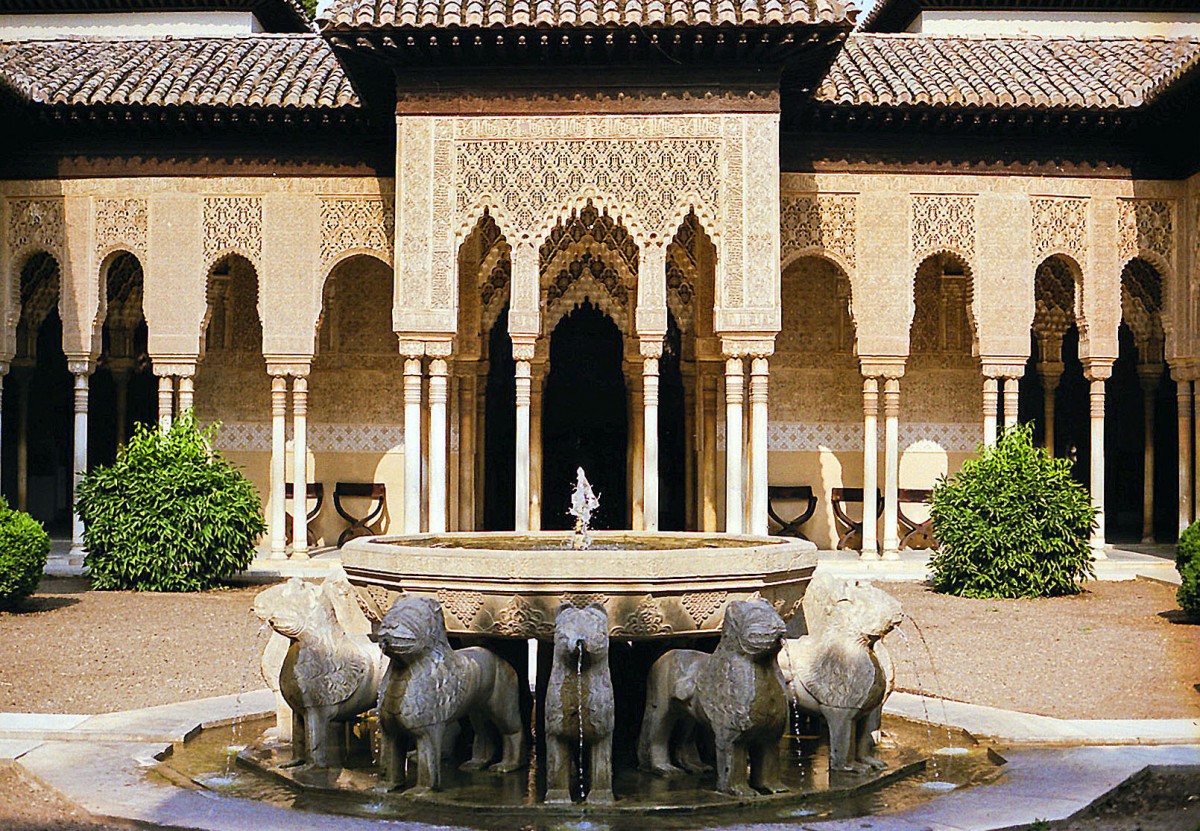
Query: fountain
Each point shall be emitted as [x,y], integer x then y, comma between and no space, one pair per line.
[659,674]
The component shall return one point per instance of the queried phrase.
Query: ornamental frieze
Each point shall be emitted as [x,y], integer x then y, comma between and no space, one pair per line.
[819,222]
[943,222]
[35,224]
[1145,226]
[232,224]
[1059,226]
[121,223]
[355,223]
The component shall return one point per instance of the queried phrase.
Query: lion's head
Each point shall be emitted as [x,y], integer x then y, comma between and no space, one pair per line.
[752,627]
[412,627]
[582,630]
[294,607]
[865,612]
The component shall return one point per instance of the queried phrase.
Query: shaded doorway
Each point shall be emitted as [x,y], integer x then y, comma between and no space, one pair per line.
[500,431]
[585,418]
[672,439]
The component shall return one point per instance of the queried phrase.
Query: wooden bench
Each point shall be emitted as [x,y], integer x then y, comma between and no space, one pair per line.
[374,491]
[915,535]
[791,493]
[849,529]
[315,490]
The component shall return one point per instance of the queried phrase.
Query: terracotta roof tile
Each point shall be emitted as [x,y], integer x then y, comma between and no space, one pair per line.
[276,71]
[345,15]
[898,70]
[275,15]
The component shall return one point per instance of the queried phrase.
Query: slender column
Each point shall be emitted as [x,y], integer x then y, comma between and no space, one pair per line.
[166,400]
[708,454]
[279,395]
[187,393]
[1183,400]
[690,489]
[81,370]
[651,352]
[870,544]
[734,482]
[121,369]
[438,397]
[479,384]
[891,468]
[759,376]
[1097,373]
[537,388]
[300,468]
[1149,375]
[991,394]
[412,444]
[521,489]
[634,458]
[23,442]
[466,452]
[1012,393]
[1049,374]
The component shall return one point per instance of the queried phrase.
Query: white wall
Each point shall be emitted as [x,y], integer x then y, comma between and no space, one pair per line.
[1068,24]
[128,24]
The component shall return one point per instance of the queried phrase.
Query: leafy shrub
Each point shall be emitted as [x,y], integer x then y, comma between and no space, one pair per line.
[1187,561]
[24,545]
[1012,523]
[170,514]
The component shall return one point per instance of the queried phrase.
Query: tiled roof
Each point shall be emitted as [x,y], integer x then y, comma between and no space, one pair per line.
[276,15]
[369,14]
[904,70]
[896,15]
[259,71]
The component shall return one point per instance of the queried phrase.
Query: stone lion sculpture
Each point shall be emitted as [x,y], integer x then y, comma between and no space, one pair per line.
[580,690]
[429,687]
[737,692]
[840,670]
[348,613]
[328,675]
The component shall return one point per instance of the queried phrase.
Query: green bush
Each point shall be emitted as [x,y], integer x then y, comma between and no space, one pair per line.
[169,515]
[1012,523]
[1187,561]
[24,545]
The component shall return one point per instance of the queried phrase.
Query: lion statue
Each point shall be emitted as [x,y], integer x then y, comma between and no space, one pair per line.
[840,670]
[737,692]
[580,690]
[429,687]
[328,676]
[348,613]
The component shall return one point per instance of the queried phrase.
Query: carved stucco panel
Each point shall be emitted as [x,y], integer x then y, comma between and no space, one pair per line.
[819,222]
[942,222]
[1146,226]
[356,223]
[232,224]
[35,224]
[121,223]
[1059,225]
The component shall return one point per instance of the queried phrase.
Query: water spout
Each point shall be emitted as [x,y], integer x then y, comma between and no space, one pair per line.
[584,503]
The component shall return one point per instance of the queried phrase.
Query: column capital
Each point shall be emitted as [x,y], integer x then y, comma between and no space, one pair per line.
[748,345]
[1150,373]
[173,366]
[523,346]
[3,368]
[1010,367]
[651,346]
[1097,369]
[282,365]
[81,364]
[440,347]
[882,366]
[410,346]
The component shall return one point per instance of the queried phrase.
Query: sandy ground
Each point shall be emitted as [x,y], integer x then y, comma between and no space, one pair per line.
[1119,650]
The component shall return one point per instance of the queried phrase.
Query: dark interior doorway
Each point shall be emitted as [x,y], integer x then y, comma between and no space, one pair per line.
[672,475]
[500,431]
[585,418]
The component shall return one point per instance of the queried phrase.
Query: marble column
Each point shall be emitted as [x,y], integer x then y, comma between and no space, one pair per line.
[991,395]
[1012,399]
[690,486]
[634,457]
[1097,372]
[708,454]
[1149,375]
[734,465]
[300,468]
[412,444]
[187,393]
[1183,399]
[1049,373]
[891,468]
[870,543]
[81,370]
[22,441]
[759,377]
[651,349]
[279,397]
[466,451]
[537,390]
[523,355]
[166,401]
[438,442]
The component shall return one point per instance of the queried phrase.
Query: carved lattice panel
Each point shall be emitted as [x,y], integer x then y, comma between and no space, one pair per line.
[825,222]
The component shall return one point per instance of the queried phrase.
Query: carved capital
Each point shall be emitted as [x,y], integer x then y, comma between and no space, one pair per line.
[882,366]
[411,346]
[651,347]
[280,366]
[172,365]
[747,346]
[1097,369]
[81,364]
[523,347]
[439,348]
[1003,367]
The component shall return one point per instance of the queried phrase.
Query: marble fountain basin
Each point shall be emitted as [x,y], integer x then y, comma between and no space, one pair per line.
[511,585]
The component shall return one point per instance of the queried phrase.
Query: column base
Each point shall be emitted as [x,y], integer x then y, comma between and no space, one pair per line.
[299,555]
[277,554]
[891,554]
[1150,540]
[1099,551]
[868,554]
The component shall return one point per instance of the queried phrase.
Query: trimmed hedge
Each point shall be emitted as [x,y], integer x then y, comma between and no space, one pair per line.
[170,514]
[24,546]
[1012,523]
[1187,562]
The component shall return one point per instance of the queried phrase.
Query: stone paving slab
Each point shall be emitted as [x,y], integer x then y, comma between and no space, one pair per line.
[38,726]
[1026,728]
[12,749]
